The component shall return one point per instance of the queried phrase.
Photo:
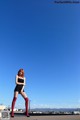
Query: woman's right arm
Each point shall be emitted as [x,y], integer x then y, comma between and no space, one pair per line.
[18,83]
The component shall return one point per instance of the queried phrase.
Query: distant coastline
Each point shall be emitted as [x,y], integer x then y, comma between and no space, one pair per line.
[55,111]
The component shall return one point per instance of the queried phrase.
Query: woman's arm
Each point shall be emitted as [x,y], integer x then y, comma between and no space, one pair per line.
[18,83]
[23,85]
[24,81]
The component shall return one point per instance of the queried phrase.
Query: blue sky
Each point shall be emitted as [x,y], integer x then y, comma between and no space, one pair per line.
[43,38]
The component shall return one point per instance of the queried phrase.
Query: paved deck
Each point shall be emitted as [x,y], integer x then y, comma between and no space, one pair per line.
[53,117]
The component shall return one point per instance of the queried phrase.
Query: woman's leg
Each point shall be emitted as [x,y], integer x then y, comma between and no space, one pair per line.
[26,102]
[13,103]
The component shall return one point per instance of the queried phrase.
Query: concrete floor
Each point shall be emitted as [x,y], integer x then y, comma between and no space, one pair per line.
[53,117]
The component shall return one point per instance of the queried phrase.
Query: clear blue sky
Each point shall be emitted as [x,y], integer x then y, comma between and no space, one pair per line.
[43,38]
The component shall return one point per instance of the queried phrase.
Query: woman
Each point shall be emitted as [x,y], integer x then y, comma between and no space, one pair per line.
[19,89]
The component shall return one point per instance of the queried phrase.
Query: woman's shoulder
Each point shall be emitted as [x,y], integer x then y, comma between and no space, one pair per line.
[24,78]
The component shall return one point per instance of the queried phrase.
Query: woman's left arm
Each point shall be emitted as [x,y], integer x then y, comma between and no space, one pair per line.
[23,84]
[24,81]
